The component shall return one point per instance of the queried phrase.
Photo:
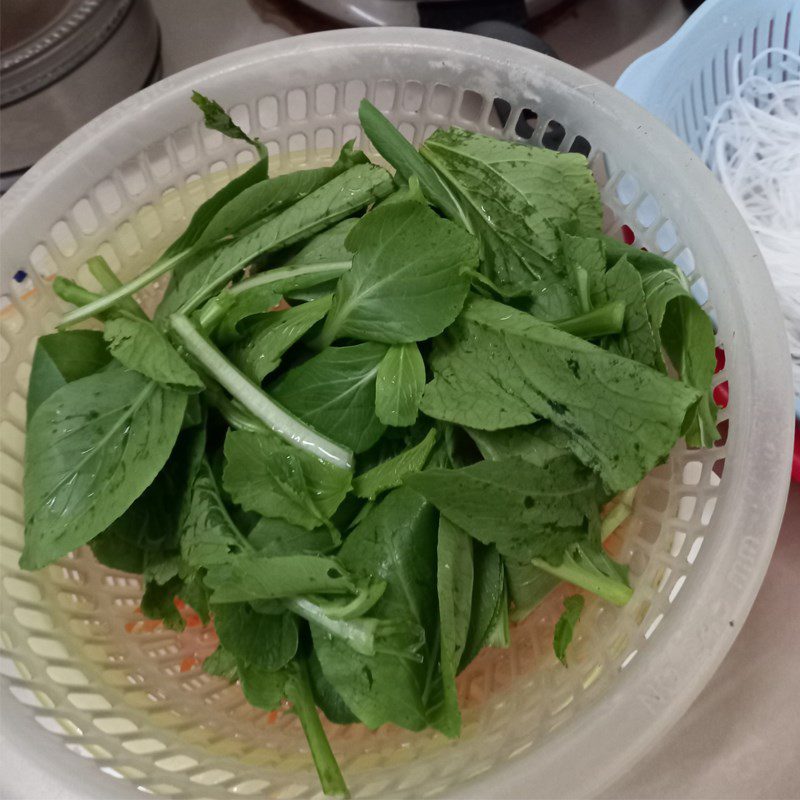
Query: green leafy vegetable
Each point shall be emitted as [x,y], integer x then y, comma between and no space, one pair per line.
[222,664]
[260,353]
[392,472]
[409,276]
[403,156]
[146,537]
[637,339]
[209,537]
[515,197]
[276,537]
[396,543]
[264,640]
[61,358]
[246,578]
[261,687]
[488,595]
[622,417]
[340,197]
[265,198]
[268,476]
[565,627]
[400,384]
[137,344]
[334,393]
[687,335]
[454,579]
[158,602]
[263,411]
[92,449]
[217,119]
[682,328]
[356,535]
[525,510]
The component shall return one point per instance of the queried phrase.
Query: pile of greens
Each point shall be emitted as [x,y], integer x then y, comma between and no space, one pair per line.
[362,487]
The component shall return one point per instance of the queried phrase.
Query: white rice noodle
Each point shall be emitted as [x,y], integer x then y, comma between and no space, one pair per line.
[753,146]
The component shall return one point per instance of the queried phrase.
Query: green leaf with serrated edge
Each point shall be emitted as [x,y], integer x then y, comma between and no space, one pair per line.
[682,327]
[277,537]
[565,627]
[217,119]
[400,384]
[263,640]
[392,472]
[92,449]
[250,577]
[334,393]
[409,276]
[516,198]
[267,475]
[208,535]
[526,511]
[260,353]
[158,602]
[262,688]
[61,358]
[637,340]
[139,345]
[622,417]
[222,664]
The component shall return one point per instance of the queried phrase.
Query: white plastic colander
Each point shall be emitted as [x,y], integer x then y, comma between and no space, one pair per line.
[698,543]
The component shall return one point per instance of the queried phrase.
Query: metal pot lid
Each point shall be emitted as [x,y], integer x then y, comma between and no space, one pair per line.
[43,40]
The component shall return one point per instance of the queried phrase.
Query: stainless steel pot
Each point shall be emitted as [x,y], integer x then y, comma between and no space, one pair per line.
[62,62]
[422,12]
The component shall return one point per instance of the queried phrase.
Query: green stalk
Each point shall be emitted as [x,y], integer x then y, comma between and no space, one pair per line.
[71,292]
[335,268]
[546,580]
[326,337]
[621,511]
[209,316]
[236,417]
[359,633]
[298,692]
[572,572]
[103,303]
[581,277]
[256,401]
[104,275]
[603,321]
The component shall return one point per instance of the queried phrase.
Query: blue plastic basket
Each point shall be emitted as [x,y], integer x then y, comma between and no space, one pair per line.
[685,80]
